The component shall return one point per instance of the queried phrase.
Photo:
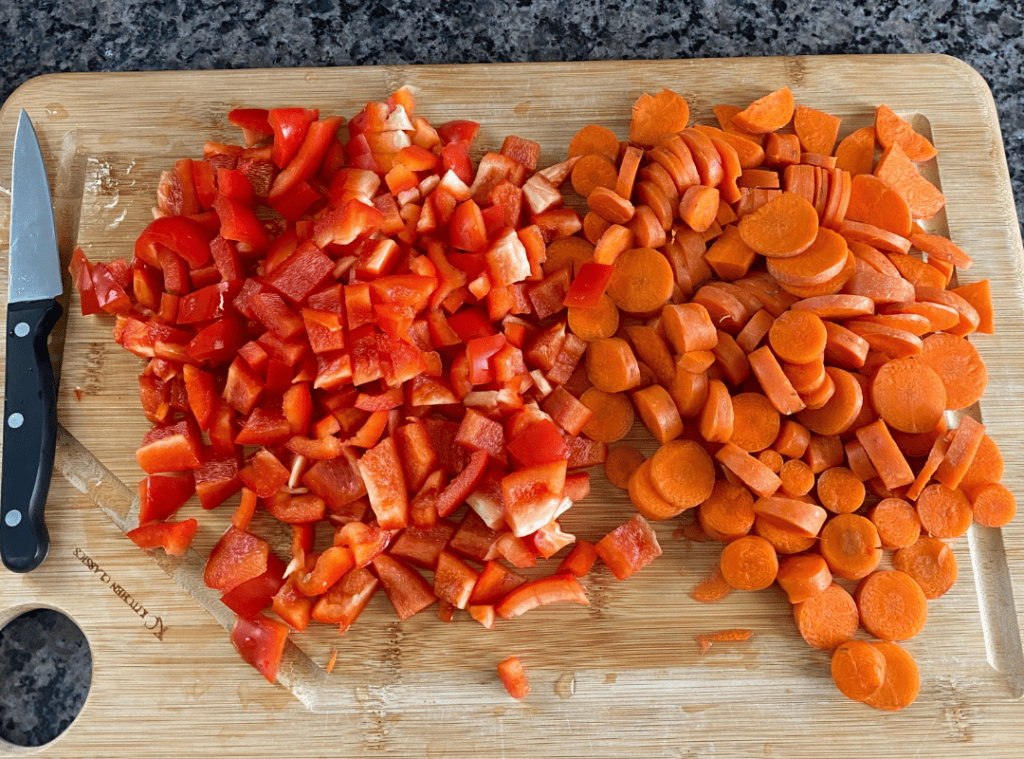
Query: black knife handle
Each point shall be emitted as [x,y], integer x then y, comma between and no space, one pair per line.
[30,434]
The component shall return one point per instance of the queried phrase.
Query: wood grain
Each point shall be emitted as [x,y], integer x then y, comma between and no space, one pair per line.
[622,677]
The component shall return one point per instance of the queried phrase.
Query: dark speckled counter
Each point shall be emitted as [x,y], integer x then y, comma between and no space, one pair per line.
[44,668]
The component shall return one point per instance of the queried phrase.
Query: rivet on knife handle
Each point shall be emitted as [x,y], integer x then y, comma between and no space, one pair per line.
[30,434]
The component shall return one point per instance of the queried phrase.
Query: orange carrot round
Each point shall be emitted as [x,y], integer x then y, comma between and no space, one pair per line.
[593,171]
[902,680]
[766,114]
[601,321]
[749,563]
[850,545]
[717,419]
[613,415]
[959,366]
[728,513]
[783,539]
[606,203]
[892,605]
[797,478]
[658,412]
[827,620]
[896,521]
[822,261]
[654,116]
[621,462]
[783,227]
[840,491]
[986,467]
[842,409]
[944,512]
[568,251]
[645,497]
[872,201]
[755,421]
[803,576]
[683,473]
[891,129]
[594,139]
[689,327]
[689,390]
[994,505]
[611,365]
[855,153]
[858,669]
[698,207]
[797,515]
[642,282]
[771,459]
[798,337]
[931,563]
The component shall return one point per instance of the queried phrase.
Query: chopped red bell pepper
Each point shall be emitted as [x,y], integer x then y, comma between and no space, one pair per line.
[629,547]
[81,276]
[172,448]
[406,588]
[559,588]
[381,470]
[540,442]
[454,580]
[289,126]
[238,556]
[533,496]
[308,158]
[347,598]
[513,677]
[264,473]
[217,480]
[160,495]
[589,285]
[260,641]
[173,537]
[249,598]
[422,546]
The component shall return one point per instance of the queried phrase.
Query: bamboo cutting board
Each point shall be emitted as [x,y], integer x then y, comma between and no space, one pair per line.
[621,677]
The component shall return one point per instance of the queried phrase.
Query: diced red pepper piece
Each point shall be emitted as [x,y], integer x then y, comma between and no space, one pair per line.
[494,583]
[260,641]
[567,410]
[238,222]
[584,452]
[219,342]
[453,580]
[629,547]
[550,539]
[577,486]
[301,273]
[381,470]
[543,348]
[422,546]
[160,495]
[507,261]
[480,433]
[81,276]
[291,606]
[264,473]
[172,448]
[567,360]
[238,556]
[330,566]
[559,588]
[347,598]
[513,677]
[406,588]
[589,285]
[173,537]
[249,598]
[540,442]
[217,480]
[533,496]
[580,559]
[290,126]
[474,539]
[308,158]
[416,452]
[110,295]
[464,483]
[243,388]
[366,541]
[547,296]
[337,481]
[518,551]
[183,236]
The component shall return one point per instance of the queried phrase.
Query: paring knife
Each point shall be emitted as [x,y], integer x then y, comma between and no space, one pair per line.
[30,398]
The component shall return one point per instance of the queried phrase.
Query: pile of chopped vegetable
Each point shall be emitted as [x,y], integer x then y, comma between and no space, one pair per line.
[353,325]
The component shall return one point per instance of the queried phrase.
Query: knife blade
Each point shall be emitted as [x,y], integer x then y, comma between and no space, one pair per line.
[30,397]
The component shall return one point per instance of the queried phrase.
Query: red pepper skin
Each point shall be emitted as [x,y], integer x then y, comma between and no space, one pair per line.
[381,470]
[589,285]
[346,599]
[559,588]
[110,295]
[540,443]
[291,606]
[238,556]
[629,547]
[513,677]
[307,160]
[249,598]
[408,592]
[301,273]
[458,131]
[160,495]
[187,238]
[289,126]
[264,474]
[81,276]
[218,342]
[260,641]
[173,537]
[238,222]
[217,480]
[173,448]
[208,303]
[532,496]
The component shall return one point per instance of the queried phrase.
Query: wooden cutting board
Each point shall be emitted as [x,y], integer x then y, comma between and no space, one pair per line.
[621,677]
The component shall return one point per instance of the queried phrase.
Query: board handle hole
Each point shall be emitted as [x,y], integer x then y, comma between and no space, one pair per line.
[45,674]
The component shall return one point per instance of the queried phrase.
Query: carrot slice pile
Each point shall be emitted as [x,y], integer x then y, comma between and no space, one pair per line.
[807,335]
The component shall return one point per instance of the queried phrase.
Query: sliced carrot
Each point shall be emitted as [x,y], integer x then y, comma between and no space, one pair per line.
[940,317]
[799,516]
[675,156]
[872,201]
[755,422]
[940,447]
[902,679]
[611,206]
[944,512]
[654,116]
[919,273]
[658,412]
[595,323]
[771,459]
[837,307]
[642,282]
[969,317]
[706,157]
[645,497]
[728,513]
[727,306]
[883,239]
[759,178]
[716,418]
[896,521]
[764,288]
[892,605]
[856,152]
[941,248]
[755,330]
[994,505]
[798,337]
[695,362]
[731,171]
[748,151]
[799,179]
[873,257]
[822,261]
[959,366]
[858,669]
[918,446]
[783,227]
[827,620]
[774,382]
[621,462]
[881,288]
[594,226]
[783,540]
[824,452]
[781,150]
[592,171]
[712,588]
[755,475]
[629,164]
[808,379]
[885,455]
[612,415]
[749,563]
[909,395]
[689,327]
[766,114]
[683,473]
[611,365]
[851,546]
[650,347]
[892,342]
[612,243]
[985,468]
[979,295]
[594,139]
[816,130]
[698,207]
[647,228]
[915,324]
[803,576]
[797,478]
[896,169]
[731,358]
[706,640]
[724,114]
[891,129]
[842,409]
[931,563]
[690,392]
[840,491]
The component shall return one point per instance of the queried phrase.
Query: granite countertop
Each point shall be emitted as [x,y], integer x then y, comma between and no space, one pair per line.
[44,663]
